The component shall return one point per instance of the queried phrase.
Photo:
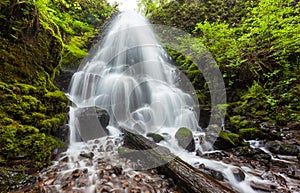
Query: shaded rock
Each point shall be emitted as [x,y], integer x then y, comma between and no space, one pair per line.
[227,140]
[271,130]
[185,139]
[134,190]
[279,147]
[76,173]
[213,173]
[251,133]
[117,170]
[89,155]
[156,137]
[238,174]
[217,175]
[295,125]
[92,122]
[10,180]
[63,79]
[262,187]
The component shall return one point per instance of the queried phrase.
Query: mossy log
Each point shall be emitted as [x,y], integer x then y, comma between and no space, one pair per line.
[188,178]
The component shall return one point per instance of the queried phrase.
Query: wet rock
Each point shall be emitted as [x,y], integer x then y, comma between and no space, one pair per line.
[85,171]
[83,182]
[295,125]
[213,173]
[92,122]
[65,159]
[227,140]
[185,139]
[137,178]
[251,133]
[11,180]
[271,130]
[134,190]
[279,147]
[103,117]
[238,174]
[49,181]
[155,137]
[216,155]
[262,187]
[117,170]
[217,175]
[255,153]
[76,173]
[89,155]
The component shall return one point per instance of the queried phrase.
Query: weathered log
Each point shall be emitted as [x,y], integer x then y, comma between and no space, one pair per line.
[187,177]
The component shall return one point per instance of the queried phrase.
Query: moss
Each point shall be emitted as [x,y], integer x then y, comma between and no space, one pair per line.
[238,121]
[251,133]
[232,138]
[185,138]
[156,137]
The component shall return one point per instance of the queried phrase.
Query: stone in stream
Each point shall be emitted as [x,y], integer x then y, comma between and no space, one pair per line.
[185,139]
[238,174]
[92,122]
[155,137]
[89,155]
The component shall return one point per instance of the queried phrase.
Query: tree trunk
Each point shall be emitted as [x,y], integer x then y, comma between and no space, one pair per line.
[188,178]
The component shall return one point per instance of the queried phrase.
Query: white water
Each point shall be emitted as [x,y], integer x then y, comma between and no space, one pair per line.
[129,75]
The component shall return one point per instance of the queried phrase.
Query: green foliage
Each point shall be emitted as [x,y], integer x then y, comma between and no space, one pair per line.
[256,46]
[185,14]
[35,35]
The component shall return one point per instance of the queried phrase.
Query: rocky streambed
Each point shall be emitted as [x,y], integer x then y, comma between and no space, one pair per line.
[97,167]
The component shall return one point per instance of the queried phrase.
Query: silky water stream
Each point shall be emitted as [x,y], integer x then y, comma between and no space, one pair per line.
[129,76]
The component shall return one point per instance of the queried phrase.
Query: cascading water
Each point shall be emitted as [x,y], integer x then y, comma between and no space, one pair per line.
[128,75]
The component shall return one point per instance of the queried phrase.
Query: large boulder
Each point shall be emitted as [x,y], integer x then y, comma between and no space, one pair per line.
[91,123]
[185,139]
[227,140]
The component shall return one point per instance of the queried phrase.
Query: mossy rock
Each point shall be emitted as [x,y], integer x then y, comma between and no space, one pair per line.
[251,133]
[156,137]
[185,139]
[227,140]
[12,181]
[279,147]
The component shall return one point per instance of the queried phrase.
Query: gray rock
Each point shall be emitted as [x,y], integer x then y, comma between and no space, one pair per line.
[185,139]
[279,147]
[91,123]
[238,174]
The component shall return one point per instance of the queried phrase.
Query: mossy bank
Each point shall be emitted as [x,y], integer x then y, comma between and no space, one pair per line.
[38,39]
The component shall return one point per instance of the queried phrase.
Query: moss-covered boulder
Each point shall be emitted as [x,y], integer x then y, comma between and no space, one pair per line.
[251,133]
[185,139]
[279,147]
[155,137]
[227,140]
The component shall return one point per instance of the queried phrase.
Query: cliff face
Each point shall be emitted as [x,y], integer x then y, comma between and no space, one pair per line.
[34,42]
[32,107]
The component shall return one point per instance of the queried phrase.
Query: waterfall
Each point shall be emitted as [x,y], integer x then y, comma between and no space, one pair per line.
[130,75]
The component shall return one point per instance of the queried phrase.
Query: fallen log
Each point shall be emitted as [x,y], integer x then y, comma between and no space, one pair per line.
[187,177]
